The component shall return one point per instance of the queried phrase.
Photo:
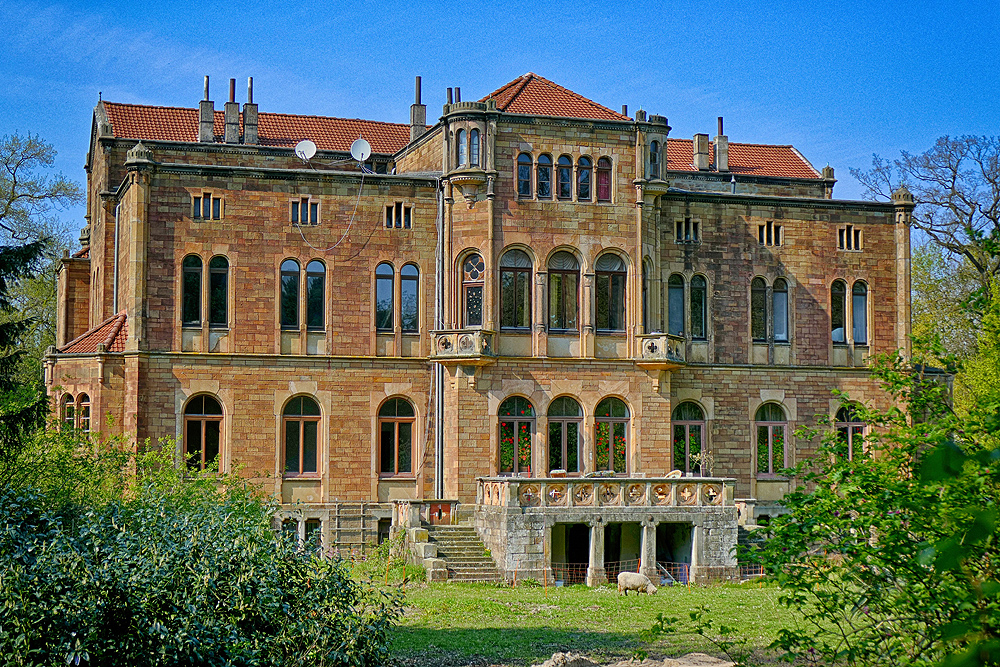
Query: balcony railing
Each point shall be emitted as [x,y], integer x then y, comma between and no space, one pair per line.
[466,345]
[661,349]
[606,492]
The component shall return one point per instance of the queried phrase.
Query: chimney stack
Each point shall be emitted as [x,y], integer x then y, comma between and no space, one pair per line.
[701,161]
[458,94]
[232,114]
[721,150]
[449,96]
[624,109]
[250,116]
[418,114]
[206,118]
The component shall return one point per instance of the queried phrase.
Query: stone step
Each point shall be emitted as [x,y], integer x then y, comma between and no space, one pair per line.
[464,553]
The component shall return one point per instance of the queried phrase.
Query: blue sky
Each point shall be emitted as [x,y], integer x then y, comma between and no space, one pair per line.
[839,80]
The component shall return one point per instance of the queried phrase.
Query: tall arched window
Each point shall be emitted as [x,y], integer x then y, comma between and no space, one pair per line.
[758,310]
[83,412]
[524,175]
[675,304]
[654,160]
[699,309]
[565,441]
[474,148]
[779,298]
[462,148]
[604,179]
[384,278]
[515,290]
[859,312]
[564,281]
[565,176]
[218,292]
[289,294]
[850,431]
[771,424]
[689,429]
[609,276]
[409,279]
[584,169]
[68,411]
[395,423]
[645,297]
[517,424]
[473,279]
[611,435]
[301,430]
[191,297]
[838,311]
[202,431]
[315,291]
[544,177]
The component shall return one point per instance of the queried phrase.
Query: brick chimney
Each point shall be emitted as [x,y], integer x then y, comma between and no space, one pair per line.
[418,115]
[206,117]
[250,116]
[721,142]
[701,161]
[232,116]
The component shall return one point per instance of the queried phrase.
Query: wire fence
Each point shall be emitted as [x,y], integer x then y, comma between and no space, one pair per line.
[614,567]
[570,573]
[751,571]
[673,573]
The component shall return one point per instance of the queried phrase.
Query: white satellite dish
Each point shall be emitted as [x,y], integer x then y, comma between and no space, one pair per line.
[305,149]
[360,150]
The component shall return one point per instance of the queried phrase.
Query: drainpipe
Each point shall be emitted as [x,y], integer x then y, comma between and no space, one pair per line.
[114,295]
[438,368]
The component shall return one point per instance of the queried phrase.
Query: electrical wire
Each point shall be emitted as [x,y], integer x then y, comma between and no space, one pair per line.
[349,225]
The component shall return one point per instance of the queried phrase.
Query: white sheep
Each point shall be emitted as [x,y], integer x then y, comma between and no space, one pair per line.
[633,581]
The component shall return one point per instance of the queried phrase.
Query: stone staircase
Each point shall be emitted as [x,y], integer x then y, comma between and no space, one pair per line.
[463,552]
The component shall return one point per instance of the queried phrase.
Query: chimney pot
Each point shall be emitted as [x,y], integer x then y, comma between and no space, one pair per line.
[720,126]
[721,150]
[206,88]
[250,90]
[418,115]
[624,109]
[418,91]
[458,95]
[232,90]
[449,96]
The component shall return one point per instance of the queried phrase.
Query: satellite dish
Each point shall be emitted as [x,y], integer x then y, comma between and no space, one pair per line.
[305,149]
[360,150]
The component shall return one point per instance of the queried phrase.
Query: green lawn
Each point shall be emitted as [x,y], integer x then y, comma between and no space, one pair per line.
[452,625]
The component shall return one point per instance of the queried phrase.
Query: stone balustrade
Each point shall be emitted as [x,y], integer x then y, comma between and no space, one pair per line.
[622,492]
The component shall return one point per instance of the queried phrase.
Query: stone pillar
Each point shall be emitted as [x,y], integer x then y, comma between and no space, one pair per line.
[647,565]
[596,574]
[697,538]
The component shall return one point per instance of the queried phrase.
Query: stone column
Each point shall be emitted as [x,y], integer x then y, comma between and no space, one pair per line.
[697,537]
[647,565]
[595,568]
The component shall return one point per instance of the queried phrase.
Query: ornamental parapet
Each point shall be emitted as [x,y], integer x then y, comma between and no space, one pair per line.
[622,492]
[660,351]
[473,347]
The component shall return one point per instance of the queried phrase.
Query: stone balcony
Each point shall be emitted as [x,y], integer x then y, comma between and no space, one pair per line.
[660,351]
[471,347]
[607,492]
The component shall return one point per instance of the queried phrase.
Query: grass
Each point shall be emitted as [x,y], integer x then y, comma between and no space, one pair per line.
[454,625]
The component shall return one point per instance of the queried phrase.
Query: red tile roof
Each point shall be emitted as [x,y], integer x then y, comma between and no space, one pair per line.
[134,121]
[532,94]
[112,332]
[750,159]
[82,253]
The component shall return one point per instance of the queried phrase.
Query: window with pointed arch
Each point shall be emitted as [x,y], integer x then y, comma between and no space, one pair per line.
[315,291]
[68,411]
[675,304]
[584,171]
[300,428]
[384,279]
[859,312]
[202,432]
[771,426]
[564,292]
[191,291]
[474,148]
[564,173]
[609,276]
[838,311]
[83,412]
[654,160]
[604,179]
[462,148]
[689,431]
[524,164]
[473,280]
[517,426]
[515,290]
[758,310]
[543,178]
[699,308]
[395,424]
[290,295]
[218,292]
[565,441]
[851,430]
[611,435]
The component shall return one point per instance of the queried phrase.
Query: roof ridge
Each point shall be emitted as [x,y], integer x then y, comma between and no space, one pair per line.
[262,113]
[741,143]
[120,318]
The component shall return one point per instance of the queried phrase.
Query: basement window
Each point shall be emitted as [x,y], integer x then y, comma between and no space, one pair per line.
[398,216]
[206,207]
[769,234]
[849,238]
[305,211]
[687,231]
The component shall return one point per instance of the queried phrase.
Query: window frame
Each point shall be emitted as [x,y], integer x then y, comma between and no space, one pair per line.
[605,167]
[315,307]
[688,425]
[218,316]
[409,281]
[543,177]
[563,422]
[771,426]
[612,421]
[564,178]
[474,148]
[848,427]
[675,305]
[206,206]
[584,178]
[67,411]
[461,149]
[863,310]
[654,161]
[758,310]
[525,419]
[304,210]
[397,421]
[384,318]
[83,412]
[835,296]
[473,284]
[192,292]
[512,293]
[288,304]
[301,420]
[563,274]
[607,292]
[698,290]
[780,287]
[203,419]
[523,171]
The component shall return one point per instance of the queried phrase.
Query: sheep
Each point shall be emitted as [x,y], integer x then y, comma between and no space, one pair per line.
[633,581]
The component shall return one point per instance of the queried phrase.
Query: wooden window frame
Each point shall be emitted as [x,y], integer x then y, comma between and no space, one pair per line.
[606,169]
[564,177]
[522,179]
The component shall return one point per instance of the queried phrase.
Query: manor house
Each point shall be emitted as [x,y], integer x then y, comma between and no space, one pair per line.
[591,340]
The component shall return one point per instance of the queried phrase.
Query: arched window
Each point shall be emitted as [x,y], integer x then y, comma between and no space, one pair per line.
[771,424]
[202,431]
[779,298]
[565,443]
[68,411]
[838,311]
[611,436]
[654,160]
[474,148]
[289,294]
[515,290]
[544,177]
[859,312]
[604,179]
[301,428]
[689,429]
[409,279]
[462,147]
[395,424]
[758,310]
[584,169]
[645,297]
[83,412]
[699,310]
[565,176]
[609,276]
[218,292]
[564,280]
[191,297]
[850,431]
[473,277]
[315,289]
[524,175]
[384,278]
[675,304]
[517,424]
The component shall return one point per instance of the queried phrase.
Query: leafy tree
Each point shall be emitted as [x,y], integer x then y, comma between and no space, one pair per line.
[940,288]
